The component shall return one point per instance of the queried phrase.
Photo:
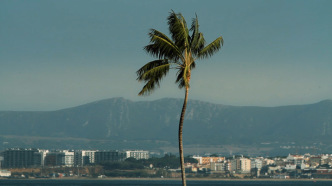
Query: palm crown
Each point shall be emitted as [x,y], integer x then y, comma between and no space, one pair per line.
[179,53]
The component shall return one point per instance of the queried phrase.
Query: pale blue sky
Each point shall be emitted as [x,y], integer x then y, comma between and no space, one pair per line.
[56,54]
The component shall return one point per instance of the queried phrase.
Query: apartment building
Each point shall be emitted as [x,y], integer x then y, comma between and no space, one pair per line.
[21,158]
[109,156]
[208,160]
[137,154]
[242,165]
[88,156]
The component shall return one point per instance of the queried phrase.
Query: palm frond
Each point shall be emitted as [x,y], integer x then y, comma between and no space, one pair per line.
[152,73]
[195,29]
[194,24]
[193,65]
[179,79]
[153,68]
[148,88]
[210,49]
[155,32]
[198,45]
[178,29]
[162,46]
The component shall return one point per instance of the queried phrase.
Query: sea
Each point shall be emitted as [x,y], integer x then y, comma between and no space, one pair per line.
[64,182]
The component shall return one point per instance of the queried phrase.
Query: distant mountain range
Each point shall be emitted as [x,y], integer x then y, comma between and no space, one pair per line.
[117,121]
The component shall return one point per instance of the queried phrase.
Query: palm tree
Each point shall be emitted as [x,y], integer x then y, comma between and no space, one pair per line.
[179,53]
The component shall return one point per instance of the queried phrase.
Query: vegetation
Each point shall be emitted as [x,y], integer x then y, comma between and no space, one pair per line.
[128,168]
[140,168]
[179,53]
[169,161]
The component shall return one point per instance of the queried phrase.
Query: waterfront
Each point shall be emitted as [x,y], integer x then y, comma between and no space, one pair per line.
[148,182]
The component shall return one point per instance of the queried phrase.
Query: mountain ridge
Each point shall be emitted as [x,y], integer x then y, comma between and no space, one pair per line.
[120,120]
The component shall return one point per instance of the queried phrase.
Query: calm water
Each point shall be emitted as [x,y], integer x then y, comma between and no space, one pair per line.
[154,182]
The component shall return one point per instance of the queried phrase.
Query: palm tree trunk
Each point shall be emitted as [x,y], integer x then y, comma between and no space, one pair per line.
[183,174]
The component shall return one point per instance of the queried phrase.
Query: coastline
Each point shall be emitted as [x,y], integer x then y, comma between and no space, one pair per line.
[169,179]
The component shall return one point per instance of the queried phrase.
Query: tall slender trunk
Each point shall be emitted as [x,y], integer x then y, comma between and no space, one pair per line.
[183,174]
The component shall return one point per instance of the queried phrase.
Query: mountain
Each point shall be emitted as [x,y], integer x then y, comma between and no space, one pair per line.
[118,122]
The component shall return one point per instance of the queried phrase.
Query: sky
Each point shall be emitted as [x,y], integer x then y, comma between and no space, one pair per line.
[56,54]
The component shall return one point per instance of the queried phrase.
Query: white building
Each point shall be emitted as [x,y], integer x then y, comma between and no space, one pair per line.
[5,173]
[90,154]
[296,159]
[256,163]
[137,154]
[43,155]
[69,158]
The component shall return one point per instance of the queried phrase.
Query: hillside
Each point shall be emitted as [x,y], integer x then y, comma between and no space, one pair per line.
[137,124]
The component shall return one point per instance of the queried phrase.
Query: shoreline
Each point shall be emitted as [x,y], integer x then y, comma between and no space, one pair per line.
[169,179]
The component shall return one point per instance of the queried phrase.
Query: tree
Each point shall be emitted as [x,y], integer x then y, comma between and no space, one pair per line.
[179,53]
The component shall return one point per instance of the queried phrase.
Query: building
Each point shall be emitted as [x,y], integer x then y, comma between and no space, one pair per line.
[109,156]
[314,161]
[5,173]
[269,162]
[222,166]
[295,159]
[54,158]
[256,163]
[78,158]
[91,156]
[43,155]
[21,158]
[235,165]
[208,160]
[241,165]
[69,158]
[137,154]
[1,160]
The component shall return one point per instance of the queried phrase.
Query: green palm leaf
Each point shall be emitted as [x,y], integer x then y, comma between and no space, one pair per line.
[162,46]
[152,73]
[197,39]
[210,49]
[179,79]
[178,29]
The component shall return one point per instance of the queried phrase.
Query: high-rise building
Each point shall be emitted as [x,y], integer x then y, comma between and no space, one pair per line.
[78,158]
[109,156]
[43,155]
[242,165]
[54,158]
[21,158]
[91,156]
[69,158]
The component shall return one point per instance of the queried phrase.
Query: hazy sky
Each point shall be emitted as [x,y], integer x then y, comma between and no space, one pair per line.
[56,54]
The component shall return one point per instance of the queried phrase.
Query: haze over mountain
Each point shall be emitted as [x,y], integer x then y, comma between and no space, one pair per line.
[153,124]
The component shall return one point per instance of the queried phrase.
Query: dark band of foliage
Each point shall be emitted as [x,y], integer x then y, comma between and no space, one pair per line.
[169,161]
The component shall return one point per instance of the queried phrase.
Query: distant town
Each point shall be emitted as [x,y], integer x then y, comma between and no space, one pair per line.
[41,163]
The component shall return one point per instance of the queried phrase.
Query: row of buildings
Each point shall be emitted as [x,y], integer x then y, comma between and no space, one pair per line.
[279,167]
[27,158]
[301,165]
[220,164]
